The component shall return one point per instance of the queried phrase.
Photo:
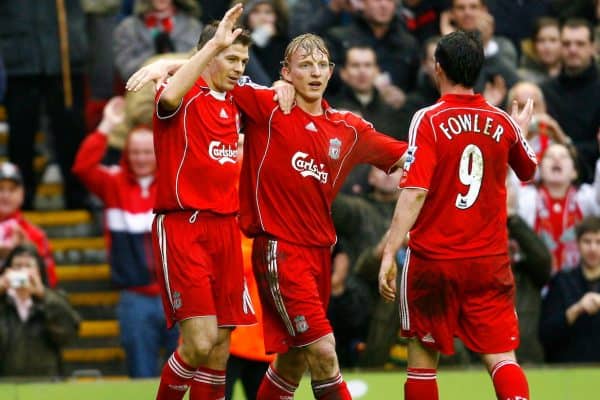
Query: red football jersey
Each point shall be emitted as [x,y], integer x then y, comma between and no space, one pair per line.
[196,152]
[459,151]
[295,164]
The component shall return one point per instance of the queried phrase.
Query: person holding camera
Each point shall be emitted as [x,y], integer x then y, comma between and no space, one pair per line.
[35,321]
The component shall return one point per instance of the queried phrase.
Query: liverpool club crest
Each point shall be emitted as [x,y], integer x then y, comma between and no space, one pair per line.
[335,146]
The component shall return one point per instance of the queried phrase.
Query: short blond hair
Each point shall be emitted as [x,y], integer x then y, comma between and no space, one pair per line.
[308,42]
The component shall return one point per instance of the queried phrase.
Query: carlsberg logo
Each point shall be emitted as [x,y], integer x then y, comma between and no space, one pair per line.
[222,153]
[309,167]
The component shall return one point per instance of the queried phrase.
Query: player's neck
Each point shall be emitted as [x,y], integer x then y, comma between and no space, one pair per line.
[557,190]
[451,88]
[314,107]
[210,83]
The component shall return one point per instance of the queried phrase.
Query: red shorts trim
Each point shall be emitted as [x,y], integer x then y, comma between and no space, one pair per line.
[199,268]
[472,299]
[294,284]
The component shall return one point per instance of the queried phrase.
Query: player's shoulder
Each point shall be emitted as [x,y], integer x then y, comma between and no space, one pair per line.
[348,117]
[246,82]
[503,115]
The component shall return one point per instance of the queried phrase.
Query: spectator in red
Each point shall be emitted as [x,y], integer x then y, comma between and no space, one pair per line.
[14,228]
[129,192]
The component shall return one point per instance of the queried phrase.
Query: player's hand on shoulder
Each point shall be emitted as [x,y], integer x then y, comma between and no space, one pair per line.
[285,95]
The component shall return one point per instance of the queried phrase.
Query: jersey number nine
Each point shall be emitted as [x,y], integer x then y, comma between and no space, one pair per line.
[470,172]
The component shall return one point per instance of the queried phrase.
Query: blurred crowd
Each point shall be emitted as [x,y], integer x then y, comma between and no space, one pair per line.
[64,61]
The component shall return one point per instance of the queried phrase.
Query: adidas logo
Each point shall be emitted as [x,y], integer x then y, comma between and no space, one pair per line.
[223,114]
[311,127]
[428,338]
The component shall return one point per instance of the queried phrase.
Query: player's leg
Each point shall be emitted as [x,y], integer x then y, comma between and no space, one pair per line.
[199,336]
[421,378]
[489,324]
[209,379]
[283,375]
[326,380]
[509,380]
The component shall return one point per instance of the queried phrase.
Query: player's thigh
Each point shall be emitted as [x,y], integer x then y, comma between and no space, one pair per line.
[488,321]
[184,267]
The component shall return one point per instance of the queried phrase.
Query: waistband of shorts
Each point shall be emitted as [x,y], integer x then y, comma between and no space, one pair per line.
[199,213]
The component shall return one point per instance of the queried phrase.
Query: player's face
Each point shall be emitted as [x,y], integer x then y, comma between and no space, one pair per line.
[465,13]
[577,48]
[140,152]
[557,166]
[360,70]
[227,67]
[309,73]
[589,248]
[11,197]
[547,45]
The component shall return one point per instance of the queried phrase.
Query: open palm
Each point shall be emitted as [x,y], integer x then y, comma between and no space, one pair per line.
[225,34]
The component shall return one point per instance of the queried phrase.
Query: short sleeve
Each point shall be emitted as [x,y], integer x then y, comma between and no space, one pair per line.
[376,148]
[164,114]
[254,101]
[421,156]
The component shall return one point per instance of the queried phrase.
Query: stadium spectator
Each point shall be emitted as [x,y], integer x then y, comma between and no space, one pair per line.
[465,15]
[573,97]
[570,322]
[543,129]
[541,58]
[128,192]
[101,21]
[556,205]
[360,95]
[426,91]
[397,51]
[14,228]
[422,17]
[267,22]
[531,264]
[317,16]
[35,321]
[36,66]
[156,27]
[457,223]
[498,73]
[515,20]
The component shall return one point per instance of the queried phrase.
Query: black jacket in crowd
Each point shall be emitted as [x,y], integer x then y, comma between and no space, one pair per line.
[562,343]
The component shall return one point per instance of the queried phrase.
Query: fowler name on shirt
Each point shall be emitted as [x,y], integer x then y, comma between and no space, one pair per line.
[471,123]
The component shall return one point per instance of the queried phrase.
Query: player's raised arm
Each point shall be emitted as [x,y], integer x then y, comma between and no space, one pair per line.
[185,77]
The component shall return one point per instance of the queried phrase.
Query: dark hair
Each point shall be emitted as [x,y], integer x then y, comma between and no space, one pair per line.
[460,54]
[544,22]
[209,32]
[580,23]
[279,7]
[482,2]
[26,249]
[358,46]
[587,225]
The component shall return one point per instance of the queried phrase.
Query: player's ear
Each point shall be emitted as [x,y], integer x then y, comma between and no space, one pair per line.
[285,72]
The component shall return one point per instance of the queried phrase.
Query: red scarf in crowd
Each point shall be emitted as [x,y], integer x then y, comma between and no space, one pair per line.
[555,222]
[160,21]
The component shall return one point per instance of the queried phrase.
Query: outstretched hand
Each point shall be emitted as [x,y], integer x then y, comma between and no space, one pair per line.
[225,34]
[523,118]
